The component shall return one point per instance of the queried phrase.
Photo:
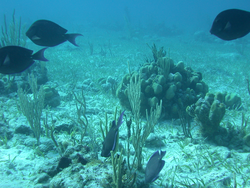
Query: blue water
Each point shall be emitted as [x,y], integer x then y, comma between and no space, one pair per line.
[186,14]
[121,33]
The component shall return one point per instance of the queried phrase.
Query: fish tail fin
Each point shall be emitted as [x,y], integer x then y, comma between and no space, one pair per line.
[72,38]
[40,55]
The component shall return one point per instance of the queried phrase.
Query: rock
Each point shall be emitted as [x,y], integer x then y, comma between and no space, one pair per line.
[46,145]
[23,129]
[64,127]
[52,97]
[64,162]
[154,141]
[42,178]
[246,139]
[49,167]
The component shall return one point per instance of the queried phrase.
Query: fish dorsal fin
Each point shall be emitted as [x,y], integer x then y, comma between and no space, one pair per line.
[116,142]
[35,37]
[6,60]
[228,26]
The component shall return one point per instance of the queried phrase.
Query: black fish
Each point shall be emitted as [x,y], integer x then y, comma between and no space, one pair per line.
[109,143]
[154,166]
[231,24]
[15,59]
[48,33]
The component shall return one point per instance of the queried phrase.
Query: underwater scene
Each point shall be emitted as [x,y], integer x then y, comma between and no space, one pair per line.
[124,94]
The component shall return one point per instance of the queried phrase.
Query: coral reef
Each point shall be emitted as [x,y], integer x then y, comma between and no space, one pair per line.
[209,111]
[176,85]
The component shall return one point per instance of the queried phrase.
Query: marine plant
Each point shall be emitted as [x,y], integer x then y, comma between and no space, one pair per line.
[118,168]
[157,54]
[117,159]
[137,133]
[105,126]
[82,119]
[140,131]
[185,124]
[50,130]
[32,107]
[94,139]
[13,34]
[244,128]
[10,162]
[4,141]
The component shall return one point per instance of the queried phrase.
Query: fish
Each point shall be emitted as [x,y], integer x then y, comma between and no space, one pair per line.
[154,166]
[231,24]
[16,59]
[110,140]
[50,34]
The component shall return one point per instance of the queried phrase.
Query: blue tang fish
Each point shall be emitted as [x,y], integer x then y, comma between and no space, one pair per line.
[109,143]
[231,24]
[48,33]
[16,59]
[154,166]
